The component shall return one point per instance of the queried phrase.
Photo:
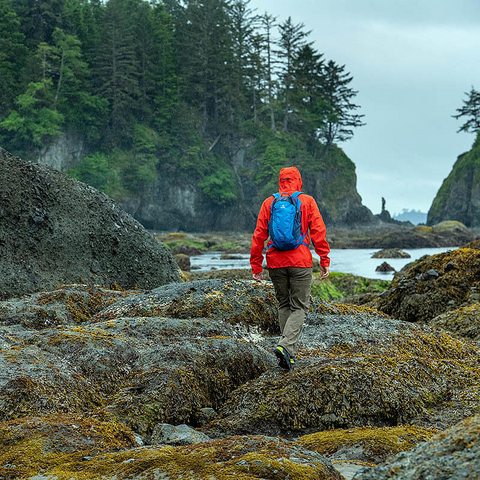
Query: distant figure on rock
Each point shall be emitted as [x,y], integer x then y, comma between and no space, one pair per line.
[290,218]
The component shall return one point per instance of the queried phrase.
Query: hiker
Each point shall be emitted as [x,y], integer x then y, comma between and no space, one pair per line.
[289,261]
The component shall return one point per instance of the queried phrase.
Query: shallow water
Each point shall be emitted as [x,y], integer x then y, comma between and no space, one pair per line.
[355,260]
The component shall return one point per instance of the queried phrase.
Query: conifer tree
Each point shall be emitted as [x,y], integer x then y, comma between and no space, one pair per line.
[470,110]
[117,69]
[268,23]
[292,39]
[339,96]
[205,60]
[307,97]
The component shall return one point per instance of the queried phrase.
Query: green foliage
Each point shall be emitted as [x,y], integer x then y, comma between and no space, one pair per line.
[271,162]
[95,171]
[220,186]
[34,123]
[12,56]
[340,285]
[471,110]
[168,88]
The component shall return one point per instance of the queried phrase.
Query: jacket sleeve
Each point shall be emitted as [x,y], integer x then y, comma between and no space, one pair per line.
[317,234]
[258,241]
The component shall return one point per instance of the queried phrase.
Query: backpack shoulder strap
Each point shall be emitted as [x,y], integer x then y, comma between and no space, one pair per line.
[295,195]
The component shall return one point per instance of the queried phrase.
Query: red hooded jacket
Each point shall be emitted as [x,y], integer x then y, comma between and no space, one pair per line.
[290,181]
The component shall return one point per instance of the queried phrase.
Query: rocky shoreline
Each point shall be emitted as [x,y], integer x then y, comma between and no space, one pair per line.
[382,236]
[91,386]
[174,378]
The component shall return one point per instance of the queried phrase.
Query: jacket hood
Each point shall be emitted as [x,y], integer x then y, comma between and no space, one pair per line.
[290,180]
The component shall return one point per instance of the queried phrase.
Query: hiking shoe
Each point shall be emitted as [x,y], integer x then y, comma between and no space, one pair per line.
[284,359]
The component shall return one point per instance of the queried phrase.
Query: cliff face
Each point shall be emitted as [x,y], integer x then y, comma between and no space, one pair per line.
[179,201]
[459,196]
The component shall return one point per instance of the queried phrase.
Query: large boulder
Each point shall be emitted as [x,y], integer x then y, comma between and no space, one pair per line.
[55,230]
[434,285]
[453,455]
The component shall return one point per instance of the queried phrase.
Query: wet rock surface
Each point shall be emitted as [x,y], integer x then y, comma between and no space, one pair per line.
[453,454]
[177,435]
[434,285]
[55,230]
[199,353]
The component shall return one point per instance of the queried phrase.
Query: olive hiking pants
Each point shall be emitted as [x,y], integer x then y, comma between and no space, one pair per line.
[292,289]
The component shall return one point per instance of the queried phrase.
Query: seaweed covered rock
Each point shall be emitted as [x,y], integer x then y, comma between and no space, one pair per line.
[141,371]
[366,444]
[67,305]
[243,302]
[55,230]
[244,458]
[434,285]
[246,302]
[34,444]
[463,322]
[453,454]
[387,373]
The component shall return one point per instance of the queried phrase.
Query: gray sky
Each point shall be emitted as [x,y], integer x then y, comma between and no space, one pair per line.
[412,61]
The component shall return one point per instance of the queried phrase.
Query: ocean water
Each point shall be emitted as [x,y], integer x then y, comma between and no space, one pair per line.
[357,261]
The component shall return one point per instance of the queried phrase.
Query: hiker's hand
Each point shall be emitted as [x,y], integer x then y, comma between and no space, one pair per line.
[258,277]
[324,271]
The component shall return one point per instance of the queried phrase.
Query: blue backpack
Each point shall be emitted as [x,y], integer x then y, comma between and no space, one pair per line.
[285,225]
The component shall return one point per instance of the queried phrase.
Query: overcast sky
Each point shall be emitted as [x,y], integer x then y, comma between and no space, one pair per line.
[412,62]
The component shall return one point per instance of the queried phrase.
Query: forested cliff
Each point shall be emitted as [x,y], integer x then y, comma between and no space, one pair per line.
[184,112]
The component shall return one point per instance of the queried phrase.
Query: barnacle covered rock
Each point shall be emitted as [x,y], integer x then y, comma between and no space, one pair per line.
[452,454]
[234,301]
[391,253]
[434,285]
[141,371]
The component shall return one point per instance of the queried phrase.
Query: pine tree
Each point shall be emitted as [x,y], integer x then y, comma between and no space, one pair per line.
[471,110]
[245,63]
[338,96]
[292,39]
[39,18]
[165,74]
[116,70]
[268,23]
[307,98]
[205,61]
